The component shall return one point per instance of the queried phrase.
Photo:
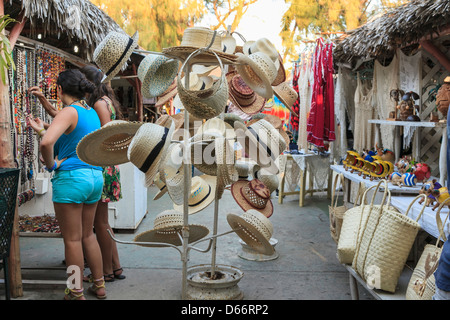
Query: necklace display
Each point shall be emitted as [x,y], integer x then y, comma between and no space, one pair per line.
[34,67]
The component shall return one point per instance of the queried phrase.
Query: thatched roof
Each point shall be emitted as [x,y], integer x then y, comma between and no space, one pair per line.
[397,28]
[57,22]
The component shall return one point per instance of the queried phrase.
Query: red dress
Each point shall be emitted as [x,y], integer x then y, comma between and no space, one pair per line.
[320,125]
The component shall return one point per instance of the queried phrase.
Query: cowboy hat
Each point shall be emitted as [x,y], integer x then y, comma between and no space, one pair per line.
[254,229]
[258,71]
[113,53]
[252,195]
[167,95]
[287,95]
[202,194]
[108,145]
[262,45]
[167,229]
[148,146]
[231,118]
[156,73]
[271,181]
[195,38]
[262,142]
[242,96]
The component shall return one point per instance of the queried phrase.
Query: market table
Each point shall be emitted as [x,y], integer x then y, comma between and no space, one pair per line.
[300,166]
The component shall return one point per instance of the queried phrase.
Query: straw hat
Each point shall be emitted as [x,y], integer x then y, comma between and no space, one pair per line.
[281,75]
[243,168]
[242,95]
[252,195]
[208,103]
[161,185]
[254,229]
[195,38]
[108,145]
[113,53]
[287,95]
[202,194]
[262,142]
[167,95]
[231,118]
[271,181]
[172,172]
[258,71]
[194,124]
[262,45]
[167,229]
[276,122]
[148,146]
[156,73]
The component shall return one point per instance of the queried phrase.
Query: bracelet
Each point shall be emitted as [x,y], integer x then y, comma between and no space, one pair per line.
[40,132]
[52,168]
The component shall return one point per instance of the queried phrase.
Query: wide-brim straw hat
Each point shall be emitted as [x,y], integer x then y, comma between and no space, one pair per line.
[231,118]
[148,146]
[113,52]
[261,142]
[194,124]
[281,75]
[254,229]
[108,145]
[195,38]
[207,103]
[242,96]
[156,73]
[287,95]
[271,181]
[167,229]
[161,185]
[262,45]
[275,121]
[253,195]
[201,194]
[171,172]
[258,71]
[170,92]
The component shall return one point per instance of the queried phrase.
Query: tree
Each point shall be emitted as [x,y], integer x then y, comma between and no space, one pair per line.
[326,18]
[224,11]
[160,23]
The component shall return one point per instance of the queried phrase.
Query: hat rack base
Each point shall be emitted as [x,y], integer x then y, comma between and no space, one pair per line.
[224,286]
[248,253]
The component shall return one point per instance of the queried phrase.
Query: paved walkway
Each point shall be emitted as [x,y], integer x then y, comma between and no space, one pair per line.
[306,269]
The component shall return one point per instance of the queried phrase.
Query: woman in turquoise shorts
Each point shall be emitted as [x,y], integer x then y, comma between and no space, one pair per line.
[77,186]
[104,102]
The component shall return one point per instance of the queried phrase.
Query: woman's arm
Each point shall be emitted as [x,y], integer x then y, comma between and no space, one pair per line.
[51,110]
[103,112]
[64,122]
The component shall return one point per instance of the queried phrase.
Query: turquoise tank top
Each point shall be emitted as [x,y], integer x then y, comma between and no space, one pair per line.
[66,146]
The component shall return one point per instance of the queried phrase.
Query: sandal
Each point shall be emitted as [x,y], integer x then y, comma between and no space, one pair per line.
[95,287]
[73,294]
[109,277]
[119,276]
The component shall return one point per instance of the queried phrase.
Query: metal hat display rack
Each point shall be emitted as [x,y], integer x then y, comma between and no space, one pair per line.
[184,237]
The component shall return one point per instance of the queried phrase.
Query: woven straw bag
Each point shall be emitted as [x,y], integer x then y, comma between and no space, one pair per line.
[336,212]
[383,261]
[208,103]
[353,219]
[350,226]
[422,285]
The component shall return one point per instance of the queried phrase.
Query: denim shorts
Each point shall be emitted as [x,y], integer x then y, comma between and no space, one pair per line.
[77,186]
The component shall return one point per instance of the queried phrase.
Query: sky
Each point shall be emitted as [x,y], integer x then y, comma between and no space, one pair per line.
[262,20]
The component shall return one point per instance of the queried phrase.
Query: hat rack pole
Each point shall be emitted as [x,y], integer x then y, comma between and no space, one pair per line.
[187,184]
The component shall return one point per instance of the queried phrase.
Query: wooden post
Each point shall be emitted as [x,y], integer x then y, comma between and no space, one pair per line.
[7,160]
[433,50]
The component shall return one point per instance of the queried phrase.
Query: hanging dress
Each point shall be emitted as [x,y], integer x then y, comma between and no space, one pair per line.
[316,115]
[112,190]
[363,132]
[305,102]
[296,106]
[328,133]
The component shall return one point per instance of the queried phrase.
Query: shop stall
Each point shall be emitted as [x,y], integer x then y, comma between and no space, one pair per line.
[392,112]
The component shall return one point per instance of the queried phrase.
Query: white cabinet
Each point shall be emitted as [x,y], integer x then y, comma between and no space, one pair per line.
[132,208]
